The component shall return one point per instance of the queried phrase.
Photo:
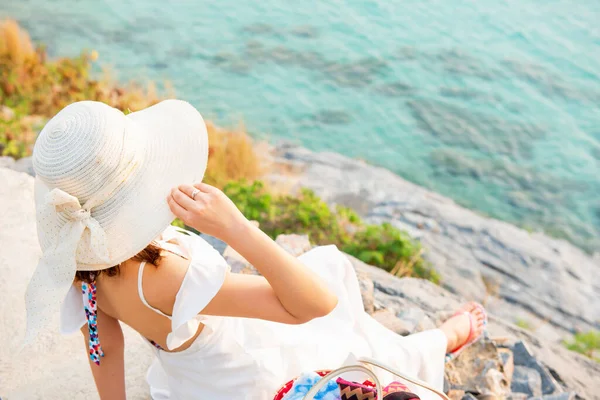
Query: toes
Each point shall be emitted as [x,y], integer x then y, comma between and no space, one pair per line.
[476,311]
[479,324]
[480,318]
[473,307]
[469,307]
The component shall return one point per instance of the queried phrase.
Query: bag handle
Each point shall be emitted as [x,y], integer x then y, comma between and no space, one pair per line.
[335,373]
[370,361]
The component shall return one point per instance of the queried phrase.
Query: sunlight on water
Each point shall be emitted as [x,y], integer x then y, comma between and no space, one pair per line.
[493,103]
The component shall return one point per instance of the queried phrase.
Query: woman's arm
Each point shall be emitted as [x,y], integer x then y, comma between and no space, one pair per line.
[110,374]
[300,291]
[289,284]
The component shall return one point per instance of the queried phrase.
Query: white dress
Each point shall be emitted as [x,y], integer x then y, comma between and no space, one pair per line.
[241,358]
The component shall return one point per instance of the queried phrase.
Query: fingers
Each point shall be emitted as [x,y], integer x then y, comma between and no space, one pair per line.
[187,189]
[203,187]
[183,199]
[176,209]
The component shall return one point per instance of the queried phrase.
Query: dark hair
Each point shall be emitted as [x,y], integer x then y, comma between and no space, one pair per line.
[151,254]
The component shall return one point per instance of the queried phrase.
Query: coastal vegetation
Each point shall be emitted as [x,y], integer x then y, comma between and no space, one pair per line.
[523,323]
[34,87]
[586,343]
[381,245]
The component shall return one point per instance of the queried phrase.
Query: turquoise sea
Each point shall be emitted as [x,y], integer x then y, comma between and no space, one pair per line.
[495,103]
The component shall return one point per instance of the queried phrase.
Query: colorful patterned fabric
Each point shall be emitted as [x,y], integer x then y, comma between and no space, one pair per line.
[288,386]
[398,391]
[153,343]
[306,381]
[88,291]
[357,391]
[366,391]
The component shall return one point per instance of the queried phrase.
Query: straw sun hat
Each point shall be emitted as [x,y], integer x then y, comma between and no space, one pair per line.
[102,179]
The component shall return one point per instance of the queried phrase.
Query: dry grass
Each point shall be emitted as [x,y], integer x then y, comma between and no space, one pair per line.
[232,156]
[33,86]
[36,89]
[492,288]
[15,43]
[404,268]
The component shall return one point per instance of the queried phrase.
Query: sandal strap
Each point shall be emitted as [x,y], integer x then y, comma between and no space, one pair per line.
[471,338]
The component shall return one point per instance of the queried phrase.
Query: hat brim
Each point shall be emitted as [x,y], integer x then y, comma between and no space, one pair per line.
[173,143]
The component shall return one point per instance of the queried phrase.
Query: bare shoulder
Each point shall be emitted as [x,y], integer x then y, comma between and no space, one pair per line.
[161,283]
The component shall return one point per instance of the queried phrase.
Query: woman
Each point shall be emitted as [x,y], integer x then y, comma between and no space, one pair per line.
[107,188]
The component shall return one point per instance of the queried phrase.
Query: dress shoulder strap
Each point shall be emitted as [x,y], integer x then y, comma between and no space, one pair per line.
[141,291]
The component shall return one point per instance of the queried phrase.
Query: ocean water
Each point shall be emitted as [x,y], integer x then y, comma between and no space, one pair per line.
[494,103]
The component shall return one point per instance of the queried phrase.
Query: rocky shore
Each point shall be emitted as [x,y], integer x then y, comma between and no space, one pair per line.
[548,284]
[517,275]
[509,363]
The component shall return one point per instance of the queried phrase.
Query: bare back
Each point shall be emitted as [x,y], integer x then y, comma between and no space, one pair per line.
[119,296]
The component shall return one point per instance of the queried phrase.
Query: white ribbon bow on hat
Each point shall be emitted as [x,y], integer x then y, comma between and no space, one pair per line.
[81,239]
[76,239]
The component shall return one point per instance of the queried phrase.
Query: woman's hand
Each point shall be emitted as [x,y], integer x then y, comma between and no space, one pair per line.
[210,212]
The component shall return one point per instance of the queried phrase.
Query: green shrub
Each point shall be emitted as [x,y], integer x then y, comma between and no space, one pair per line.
[586,343]
[16,138]
[381,245]
[178,223]
[522,323]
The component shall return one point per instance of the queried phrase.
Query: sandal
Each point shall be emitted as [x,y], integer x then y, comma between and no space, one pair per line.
[471,338]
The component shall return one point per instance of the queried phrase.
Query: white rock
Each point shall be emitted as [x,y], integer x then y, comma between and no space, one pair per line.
[7,162]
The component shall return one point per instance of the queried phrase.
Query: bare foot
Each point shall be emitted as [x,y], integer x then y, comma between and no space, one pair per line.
[458,328]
